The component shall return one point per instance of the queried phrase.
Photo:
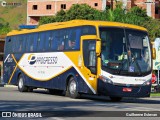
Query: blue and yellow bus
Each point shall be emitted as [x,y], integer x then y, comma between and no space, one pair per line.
[80,56]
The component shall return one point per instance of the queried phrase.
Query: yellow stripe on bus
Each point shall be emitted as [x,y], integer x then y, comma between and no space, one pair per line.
[46,79]
[13,70]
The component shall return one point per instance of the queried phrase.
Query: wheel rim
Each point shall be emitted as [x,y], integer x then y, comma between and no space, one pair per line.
[72,87]
[20,82]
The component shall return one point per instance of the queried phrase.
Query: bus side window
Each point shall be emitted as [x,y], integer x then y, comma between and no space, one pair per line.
[88,30]
[54,43]
[60,40]
[34,39]
[70,39]
[23,43]
[29,47]
[14,45]
[40,42]
[31,42]
[27,42]
[48,41]
[8,45]
[20,39]
[78,35]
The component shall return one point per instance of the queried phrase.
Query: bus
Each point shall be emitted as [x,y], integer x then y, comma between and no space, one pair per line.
[80,57]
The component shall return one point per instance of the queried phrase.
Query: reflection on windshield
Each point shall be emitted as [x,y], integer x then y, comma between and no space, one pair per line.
[125,50]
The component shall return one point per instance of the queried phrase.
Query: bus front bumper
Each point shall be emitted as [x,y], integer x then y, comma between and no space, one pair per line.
[114,90]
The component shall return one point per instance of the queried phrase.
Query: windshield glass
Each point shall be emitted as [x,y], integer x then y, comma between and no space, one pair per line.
[125,51]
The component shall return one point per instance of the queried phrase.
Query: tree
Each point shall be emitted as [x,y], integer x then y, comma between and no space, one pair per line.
[4,27]
[117,14]
[61,16]
[46,19]
[77,11]
[136,16]
[153,27]
[81,11]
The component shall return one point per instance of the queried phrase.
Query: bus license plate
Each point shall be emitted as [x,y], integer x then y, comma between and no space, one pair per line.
[127,89]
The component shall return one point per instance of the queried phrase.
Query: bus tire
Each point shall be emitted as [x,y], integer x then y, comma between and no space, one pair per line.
[72,89]
[116,99]
[21,86]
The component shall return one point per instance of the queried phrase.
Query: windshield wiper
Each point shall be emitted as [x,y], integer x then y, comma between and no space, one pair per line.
[129,54]
[122,64]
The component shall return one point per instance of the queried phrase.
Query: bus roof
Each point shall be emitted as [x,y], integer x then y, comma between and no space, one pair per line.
[73,23]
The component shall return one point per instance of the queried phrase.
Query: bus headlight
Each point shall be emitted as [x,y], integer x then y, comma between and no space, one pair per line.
[106,80]
[147,83]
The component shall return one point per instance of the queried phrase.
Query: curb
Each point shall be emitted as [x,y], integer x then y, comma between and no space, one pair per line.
[10,86]
[155,97]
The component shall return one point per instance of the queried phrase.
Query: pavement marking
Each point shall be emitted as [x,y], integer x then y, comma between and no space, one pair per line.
[142,109]
[56,118]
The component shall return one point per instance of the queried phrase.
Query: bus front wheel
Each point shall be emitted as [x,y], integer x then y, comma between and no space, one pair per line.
[21,86]
[72,88]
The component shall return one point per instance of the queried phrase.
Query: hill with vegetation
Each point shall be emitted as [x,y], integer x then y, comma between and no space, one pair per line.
[13,15]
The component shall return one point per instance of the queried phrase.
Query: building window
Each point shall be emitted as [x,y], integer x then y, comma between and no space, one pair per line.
[63,6]
[156,9]
[48,7]
[35,7]
[95,4]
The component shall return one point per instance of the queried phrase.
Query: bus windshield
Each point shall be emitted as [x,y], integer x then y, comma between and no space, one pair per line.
[125,51]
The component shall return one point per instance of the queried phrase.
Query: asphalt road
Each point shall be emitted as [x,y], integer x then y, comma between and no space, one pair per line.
[89,106]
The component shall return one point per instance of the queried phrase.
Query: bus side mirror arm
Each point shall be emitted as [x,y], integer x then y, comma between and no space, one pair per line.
[153,53]
[98,47]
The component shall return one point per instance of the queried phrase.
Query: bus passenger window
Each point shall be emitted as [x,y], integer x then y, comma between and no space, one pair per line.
[20,46]
[50,41]
[15,45]
[31,46]
[71,44]
[71,39]
[60,45]
[88,30]
[60,39]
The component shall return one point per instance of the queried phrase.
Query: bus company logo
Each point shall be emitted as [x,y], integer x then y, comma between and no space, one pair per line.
[32,59]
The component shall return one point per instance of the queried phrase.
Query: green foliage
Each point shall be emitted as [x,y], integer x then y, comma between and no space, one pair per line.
[46,19]
[153,27]
[81,11]
[136,16]
[4,27]
[61,16]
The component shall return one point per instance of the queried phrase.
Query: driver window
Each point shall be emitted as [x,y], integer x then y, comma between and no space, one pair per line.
[106,46]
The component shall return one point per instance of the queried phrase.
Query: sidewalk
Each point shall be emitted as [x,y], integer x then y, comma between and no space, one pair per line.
[10,86]
[1,82]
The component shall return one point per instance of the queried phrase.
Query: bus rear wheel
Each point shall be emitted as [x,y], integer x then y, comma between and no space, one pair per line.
[116,99]
[72,89]
[21,86]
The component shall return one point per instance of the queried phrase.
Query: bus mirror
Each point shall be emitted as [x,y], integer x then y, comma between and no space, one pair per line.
[153,53]
[98,47]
